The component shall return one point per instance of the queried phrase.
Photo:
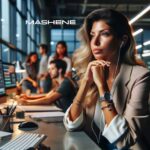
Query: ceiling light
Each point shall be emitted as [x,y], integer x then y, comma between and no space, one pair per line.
[146,43]
[52,43]
[2,19]
[5,50]
[146,54]
[146,51]
[138,46]
[137,32]
[17,35]
[139,15]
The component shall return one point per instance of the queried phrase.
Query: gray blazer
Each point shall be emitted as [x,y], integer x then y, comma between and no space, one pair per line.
[130,91]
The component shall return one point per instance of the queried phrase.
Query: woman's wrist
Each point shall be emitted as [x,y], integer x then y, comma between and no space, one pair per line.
[102,88]
[78,103]
[85,80]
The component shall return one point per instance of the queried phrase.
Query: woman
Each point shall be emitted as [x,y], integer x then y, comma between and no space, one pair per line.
[112,102]
[61,53]
[30,79]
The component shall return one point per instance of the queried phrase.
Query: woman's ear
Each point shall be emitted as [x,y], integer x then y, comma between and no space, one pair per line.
[124,40]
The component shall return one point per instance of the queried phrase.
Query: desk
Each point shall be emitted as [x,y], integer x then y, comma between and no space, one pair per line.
[59,139]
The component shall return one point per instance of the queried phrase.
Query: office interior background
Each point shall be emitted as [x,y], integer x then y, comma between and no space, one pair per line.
[17,38]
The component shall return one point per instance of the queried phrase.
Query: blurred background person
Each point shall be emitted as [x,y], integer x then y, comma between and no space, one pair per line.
[62,53]
[30,77]
[44,79]
[62,94]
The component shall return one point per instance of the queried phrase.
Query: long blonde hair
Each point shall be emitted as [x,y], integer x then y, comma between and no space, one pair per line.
[119,24]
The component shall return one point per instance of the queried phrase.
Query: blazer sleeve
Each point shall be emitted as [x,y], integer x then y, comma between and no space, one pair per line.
[137,114]
[73,125]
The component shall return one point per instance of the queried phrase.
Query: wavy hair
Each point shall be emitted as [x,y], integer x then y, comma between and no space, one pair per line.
[119,24]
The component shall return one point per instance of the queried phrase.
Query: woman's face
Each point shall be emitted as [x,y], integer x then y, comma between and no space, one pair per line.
[60,49]
[33,58]
[104,44]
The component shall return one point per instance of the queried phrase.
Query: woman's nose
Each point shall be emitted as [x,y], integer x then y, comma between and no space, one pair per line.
[97,40]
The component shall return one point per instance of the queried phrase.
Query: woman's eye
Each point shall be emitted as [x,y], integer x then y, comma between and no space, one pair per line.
[105,33]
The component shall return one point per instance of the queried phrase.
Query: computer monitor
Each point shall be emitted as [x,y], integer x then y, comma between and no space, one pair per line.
[10,77]
[2,81]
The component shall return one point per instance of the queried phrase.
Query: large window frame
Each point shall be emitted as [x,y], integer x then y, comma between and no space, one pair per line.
[10,51]
[62,37]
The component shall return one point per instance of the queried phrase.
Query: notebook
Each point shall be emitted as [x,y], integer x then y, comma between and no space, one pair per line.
[47,116]
[39,108]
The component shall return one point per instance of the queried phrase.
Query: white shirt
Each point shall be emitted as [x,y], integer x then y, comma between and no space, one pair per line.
[112,132]
[43,64]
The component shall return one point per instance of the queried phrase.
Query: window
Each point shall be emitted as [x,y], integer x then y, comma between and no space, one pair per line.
[19,31]
[19,56]
[19,4]
[67,35]
[17,38]
[5,20]
[56,34]
[33,31]
[13,24]
[5,53]
[13,57]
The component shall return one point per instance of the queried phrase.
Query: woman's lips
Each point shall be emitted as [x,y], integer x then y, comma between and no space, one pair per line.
[97,51]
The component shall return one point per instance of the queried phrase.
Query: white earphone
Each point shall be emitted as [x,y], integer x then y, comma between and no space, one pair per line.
[122,44]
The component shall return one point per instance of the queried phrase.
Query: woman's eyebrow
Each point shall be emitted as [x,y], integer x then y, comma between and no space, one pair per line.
[99,31]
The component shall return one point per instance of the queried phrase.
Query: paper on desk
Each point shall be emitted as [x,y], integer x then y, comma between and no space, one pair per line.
[4,134]
[39,108]
[47,116]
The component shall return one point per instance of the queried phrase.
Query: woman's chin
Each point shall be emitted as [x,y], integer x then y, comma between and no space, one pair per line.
[100,57]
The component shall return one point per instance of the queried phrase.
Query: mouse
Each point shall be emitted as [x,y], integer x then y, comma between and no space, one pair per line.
[27,125]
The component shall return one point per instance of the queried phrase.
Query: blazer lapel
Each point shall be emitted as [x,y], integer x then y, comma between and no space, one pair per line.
[120,87]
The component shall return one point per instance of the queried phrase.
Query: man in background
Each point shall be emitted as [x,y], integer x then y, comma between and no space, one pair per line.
[63,93]
[43,71]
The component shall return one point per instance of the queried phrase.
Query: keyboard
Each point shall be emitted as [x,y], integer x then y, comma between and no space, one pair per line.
[24,142]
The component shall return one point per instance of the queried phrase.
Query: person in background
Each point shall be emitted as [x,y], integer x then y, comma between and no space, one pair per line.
[43,71]
[29,81]
[111,105]
[62,53]
[62,94]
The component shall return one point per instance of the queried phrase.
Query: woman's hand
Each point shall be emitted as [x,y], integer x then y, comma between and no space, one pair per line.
[100,73]
[96,70]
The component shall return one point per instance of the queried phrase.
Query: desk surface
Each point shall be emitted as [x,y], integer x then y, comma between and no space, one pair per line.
[59,139]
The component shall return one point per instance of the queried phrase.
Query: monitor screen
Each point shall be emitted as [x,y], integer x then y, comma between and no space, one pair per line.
[2,83]
[10,77]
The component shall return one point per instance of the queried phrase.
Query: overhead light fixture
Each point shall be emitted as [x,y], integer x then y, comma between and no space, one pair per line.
[2,19]
[146,51]
[52,43]
[146,43]
[146,54]
[17,35]
[5,50]
[138,46]
[137,32]
[139,15]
